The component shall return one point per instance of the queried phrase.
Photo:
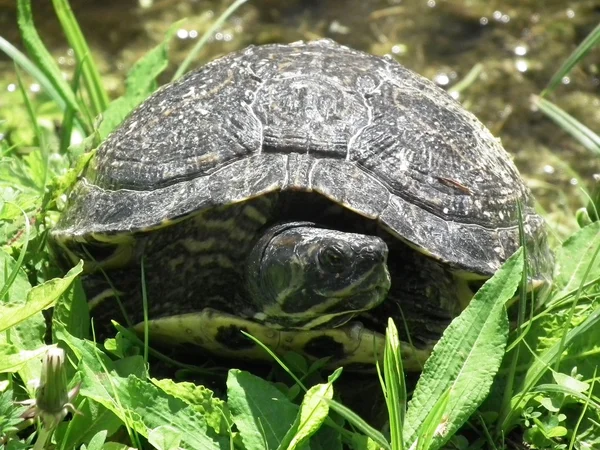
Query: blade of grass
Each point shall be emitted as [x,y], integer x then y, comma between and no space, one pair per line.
[194,369]
[29,108]
[579,131]
[359,423]
[571,312]
[395,387]
[580,396]
[38,133]
[552,355]
[91,75]
[593,206]
[278,360]
[582,49]
[112,287]
[563,299]
[542,363]
[468,80]
[26,64]
[583,411]
[40,77]
[510,378]
[41,56]
[66,131]
[488,436]
[13,274]
[205,37]
[145,310]
[434,424]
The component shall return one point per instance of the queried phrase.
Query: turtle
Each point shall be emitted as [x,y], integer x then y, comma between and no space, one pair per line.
[303,193]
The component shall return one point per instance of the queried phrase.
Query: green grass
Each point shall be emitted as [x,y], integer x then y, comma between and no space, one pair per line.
[488,384]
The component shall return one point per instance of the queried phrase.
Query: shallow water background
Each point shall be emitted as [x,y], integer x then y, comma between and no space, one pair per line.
[513,47]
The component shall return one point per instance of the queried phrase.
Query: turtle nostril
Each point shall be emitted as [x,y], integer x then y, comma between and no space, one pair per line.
[366,250]
[373,253]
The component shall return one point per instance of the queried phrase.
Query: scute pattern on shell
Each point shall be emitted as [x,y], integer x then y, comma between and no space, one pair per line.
[316,117]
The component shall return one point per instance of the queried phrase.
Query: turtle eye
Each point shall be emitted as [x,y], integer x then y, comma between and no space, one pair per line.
[332,259]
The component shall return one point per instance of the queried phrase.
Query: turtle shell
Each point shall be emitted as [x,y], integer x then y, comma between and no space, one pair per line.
[316,117]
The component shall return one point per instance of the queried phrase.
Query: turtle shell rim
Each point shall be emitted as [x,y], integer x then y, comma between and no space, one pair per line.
[94,212]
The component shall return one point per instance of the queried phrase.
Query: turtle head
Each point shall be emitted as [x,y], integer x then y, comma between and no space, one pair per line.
[302,276]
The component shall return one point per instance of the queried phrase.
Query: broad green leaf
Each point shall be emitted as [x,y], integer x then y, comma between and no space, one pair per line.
[140,83]
[262,414]
[16,444]
[72,311]
[434,424]
[39,298]
[137,402]
[27,335]
[552,404]
[146,407]
[97,441]
[313,412]
[116,446]
[569,382]
[200,398]
[466,358]
[575,257]
[558,431]
[565,391]
[165,437]
[131,365]
[10,413]
[12,358]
